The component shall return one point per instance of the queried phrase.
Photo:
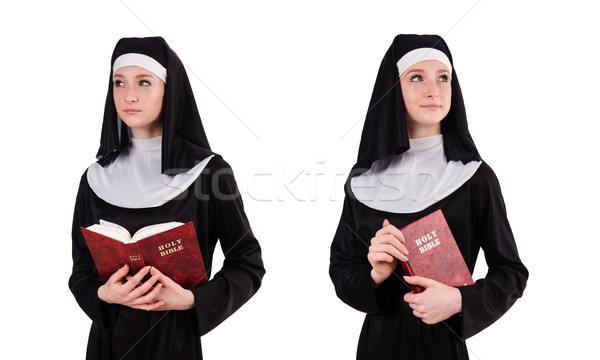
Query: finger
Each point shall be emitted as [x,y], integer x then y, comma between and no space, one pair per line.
[390,246]
[419,314]
[137,278]
[385,222]
[426,317]
[164,279]
[420,308]
[389,249]
[149,307]
[144,287]
[396,232]
[419,280]
[377,257]
[413,299]
[390,239]
[431,321]
[391,230]
[128,277]
[149,297]
[382,231]
[119,274]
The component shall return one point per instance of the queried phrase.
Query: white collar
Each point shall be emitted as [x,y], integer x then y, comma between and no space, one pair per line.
[134,180]
[414,180]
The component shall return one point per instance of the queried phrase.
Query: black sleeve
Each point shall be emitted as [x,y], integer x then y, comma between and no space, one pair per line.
[242,271]
[85,281]
[350,270]
[489,298]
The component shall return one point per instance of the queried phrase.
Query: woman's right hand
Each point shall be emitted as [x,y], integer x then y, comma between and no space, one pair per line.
[386,249]
[131,292]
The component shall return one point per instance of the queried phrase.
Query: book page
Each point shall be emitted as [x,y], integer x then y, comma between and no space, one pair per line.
[153,230]
[111,230]
[117,232]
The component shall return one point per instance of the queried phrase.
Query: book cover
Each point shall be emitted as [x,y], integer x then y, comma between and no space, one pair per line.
[174,252]
[433,253]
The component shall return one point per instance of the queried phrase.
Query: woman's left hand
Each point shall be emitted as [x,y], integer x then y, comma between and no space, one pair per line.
[437,303]
[171,295]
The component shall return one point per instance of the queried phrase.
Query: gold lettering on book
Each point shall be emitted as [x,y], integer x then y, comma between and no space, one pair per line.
[170,247]
[135,258]
[429,241]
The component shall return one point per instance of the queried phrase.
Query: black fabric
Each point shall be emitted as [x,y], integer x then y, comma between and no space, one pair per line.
[385,131]
[477,218]
[182,126]
[213,204]
[475,213]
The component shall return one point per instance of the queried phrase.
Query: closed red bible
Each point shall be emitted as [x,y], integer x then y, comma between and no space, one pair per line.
[433,253]
[174,251]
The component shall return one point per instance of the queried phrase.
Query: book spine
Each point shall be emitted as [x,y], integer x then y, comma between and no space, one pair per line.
[409,272]
[136,261]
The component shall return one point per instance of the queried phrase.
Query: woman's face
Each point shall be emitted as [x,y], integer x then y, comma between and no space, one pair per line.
[427,96]
[138,96]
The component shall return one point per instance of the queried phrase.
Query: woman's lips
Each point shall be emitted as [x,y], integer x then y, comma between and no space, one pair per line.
[131,111]
[431,107]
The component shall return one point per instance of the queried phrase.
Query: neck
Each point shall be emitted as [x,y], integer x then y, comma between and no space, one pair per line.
[417,132]
[148,132]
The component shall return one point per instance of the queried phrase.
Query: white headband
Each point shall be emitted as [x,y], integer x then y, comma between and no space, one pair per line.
[422,54]
[143,61]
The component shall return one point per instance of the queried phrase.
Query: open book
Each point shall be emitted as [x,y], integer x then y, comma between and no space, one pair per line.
[433,253]
[170,247]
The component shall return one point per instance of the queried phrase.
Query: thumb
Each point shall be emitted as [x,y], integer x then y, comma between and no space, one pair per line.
[419,280]
[386,223]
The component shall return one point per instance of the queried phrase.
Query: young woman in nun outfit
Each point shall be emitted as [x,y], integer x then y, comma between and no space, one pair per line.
[154,166]
[416,156]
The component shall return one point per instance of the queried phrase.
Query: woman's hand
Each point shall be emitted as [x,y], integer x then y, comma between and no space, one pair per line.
[133,292]
[171,295]
[437,303]
[386,249]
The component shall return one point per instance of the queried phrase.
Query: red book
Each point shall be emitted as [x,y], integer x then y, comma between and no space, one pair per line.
[433,253]
[172,248]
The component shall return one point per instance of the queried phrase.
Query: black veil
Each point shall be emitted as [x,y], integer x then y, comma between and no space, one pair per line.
[184,142]
[385,131]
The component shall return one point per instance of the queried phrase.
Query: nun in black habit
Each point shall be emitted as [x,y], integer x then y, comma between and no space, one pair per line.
[416,156]
[154,166]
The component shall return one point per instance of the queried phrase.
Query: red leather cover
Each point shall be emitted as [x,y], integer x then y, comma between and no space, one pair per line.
[433,252]
[174,252]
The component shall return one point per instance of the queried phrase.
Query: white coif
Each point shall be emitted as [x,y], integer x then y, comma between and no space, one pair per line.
[422,54]
[143,61]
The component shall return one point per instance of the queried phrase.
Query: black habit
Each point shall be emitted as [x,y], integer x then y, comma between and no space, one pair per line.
[212,202]
[475,213]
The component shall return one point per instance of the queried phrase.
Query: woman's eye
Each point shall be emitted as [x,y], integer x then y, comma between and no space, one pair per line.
[444,78]
[145,83]
[117,83]
[416,78]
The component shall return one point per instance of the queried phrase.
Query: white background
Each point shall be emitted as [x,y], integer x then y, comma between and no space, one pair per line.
[282,89]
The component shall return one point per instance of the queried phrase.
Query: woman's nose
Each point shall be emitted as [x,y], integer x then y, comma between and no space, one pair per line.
[131,95]
[432,89]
